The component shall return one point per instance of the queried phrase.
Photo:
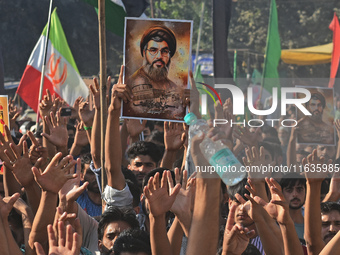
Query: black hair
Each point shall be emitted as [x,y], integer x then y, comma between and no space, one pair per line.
[292,179]
[132,241]
[152,173]
[329,206]
[270,131]
[157,136]
[144,148]
[116,214]
[150,125]
[238,188]
[133,185]
[251,250]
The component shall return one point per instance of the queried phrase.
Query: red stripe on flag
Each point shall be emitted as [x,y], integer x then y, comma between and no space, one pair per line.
[29,87]
[335,27]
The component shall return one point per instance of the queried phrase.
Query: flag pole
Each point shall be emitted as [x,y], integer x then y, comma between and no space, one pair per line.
[44,61]
[199,37]
[102,83]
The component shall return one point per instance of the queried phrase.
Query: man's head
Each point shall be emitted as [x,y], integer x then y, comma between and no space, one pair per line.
[143,157]
[111,224]
[157,46]
[132,242]
[328,152]
[330,217]
[294,190]
[316,105]
[241,215]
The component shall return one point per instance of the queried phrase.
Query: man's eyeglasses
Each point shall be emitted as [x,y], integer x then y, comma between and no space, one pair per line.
[154,51]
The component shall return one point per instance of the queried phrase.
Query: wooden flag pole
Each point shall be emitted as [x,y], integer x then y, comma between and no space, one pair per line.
[44,61]
[102,83]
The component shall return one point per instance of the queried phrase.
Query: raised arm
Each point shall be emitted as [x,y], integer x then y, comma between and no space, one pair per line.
[160,201]
[333,246]
[11,186]
[8,243]
[173,141]
[58,135]
[80,140]
[21,166]
[51,181]
[113,149]
[206,208]
[312,221]
[278,209]
[95,134]
[236,238]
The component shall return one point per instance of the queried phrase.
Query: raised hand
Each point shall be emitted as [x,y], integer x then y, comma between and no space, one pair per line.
[316,169]
[183,200]
[67,242]
[228,107]
[85,114]
[6,205]
[80,138]
[37,151]
[255,158]
[5,145]
[75,108]
[96,93]
[236,237]
[134,127]
[173,136]
[20,165]
[121,91]
[71,190]
[46,104]
[58,130]
[56,173]
[277,208]
[156,192]
[247,137]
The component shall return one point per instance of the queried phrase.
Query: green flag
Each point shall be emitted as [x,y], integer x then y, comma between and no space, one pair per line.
[273,52]
[116,11]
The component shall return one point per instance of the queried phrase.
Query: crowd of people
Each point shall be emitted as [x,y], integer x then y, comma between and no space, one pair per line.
[53,200]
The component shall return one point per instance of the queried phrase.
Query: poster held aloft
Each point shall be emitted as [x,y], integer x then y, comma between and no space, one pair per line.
[317,128]
[156,58]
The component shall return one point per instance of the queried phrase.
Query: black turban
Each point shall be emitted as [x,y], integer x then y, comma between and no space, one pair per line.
[163,33]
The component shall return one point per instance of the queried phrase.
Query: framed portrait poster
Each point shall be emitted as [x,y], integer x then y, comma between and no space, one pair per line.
[157,57]
[317,128]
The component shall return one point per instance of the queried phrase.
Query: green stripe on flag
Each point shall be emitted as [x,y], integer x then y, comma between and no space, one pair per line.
[58,39]
[273,52]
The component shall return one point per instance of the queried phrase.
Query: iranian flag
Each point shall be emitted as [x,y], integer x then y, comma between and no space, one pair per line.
[61,74]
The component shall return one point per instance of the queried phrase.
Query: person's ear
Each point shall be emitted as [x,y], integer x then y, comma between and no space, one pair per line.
[100,245]
[230,203]
[129,167]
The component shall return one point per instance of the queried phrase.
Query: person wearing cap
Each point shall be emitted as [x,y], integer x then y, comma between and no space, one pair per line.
[157,47]
[312,129]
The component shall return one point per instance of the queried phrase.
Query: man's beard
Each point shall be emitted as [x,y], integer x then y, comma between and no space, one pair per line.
[297,207]
[158,74]
[318,116]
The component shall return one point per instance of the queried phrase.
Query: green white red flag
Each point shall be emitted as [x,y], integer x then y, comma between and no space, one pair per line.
[61,75]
